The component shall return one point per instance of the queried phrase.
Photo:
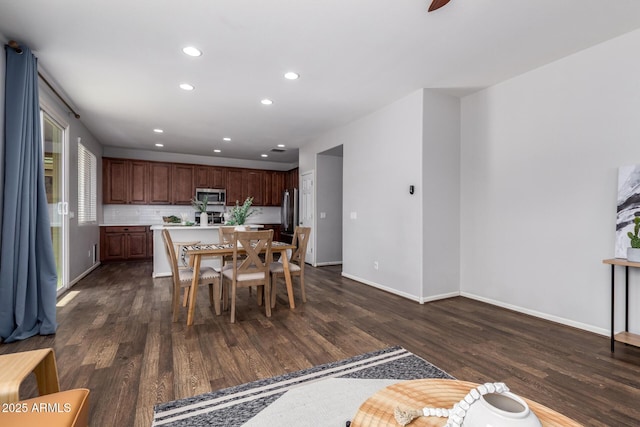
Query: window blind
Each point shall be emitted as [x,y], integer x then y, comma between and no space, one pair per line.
[87,186]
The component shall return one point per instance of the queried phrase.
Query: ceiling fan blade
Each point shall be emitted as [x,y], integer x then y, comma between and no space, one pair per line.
[437,4]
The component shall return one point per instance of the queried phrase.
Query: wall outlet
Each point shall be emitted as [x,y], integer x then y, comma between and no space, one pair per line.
[323,215]
[375,265]
[354,215]
[89,253]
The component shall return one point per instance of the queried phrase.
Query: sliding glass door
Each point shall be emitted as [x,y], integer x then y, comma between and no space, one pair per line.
[54,143]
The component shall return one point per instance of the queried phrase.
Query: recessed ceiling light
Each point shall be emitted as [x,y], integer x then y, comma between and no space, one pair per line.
[291,75]
[264,155]
[281,145]
[266,101]
[192,51]
[158,130]
[217,151]
[186,86]
[159,145]
[227,139]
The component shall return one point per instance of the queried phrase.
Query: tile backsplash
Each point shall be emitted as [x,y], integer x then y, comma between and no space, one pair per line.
[152,214]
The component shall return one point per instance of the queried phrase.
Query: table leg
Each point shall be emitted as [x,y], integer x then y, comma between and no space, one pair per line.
[626,298]
[613,284]
[287,278]
[194,288]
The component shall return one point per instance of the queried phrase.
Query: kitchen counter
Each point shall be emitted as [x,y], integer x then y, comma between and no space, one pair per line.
[124,224]
[184,233]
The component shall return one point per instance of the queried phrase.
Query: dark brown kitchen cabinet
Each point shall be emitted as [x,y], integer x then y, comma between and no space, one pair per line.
[235,184]
[139,182]
[201,176]
[243,183]
[124,243]
[292,178]
[160,183]
[254,186]
[218,177]
[210,177]
[183,189]
[276,231]
[273,187]
[125,181]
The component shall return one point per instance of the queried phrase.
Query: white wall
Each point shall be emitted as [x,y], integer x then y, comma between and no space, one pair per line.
[539,165]
[328,204]
[441,195]
[414,238]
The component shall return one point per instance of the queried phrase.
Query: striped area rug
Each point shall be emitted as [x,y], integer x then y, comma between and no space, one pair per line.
[323,395]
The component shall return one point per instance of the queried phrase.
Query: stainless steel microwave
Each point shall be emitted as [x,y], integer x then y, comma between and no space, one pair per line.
[214,196]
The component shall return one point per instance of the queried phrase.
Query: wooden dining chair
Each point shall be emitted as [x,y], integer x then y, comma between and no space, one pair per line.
[225,236]
[296,263]
[183,277]
[183,262]
[248,268]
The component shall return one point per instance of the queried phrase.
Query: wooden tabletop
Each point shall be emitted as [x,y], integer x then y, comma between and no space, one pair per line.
[377,411]
[621,261]
[227,248]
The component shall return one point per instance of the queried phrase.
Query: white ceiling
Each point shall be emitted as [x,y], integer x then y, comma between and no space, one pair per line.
[119,62]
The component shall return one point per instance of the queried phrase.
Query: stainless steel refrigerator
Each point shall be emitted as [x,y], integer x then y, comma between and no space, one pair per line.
[289,213]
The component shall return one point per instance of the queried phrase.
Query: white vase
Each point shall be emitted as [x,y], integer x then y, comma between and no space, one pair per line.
[500,410]
[240,228]
[203,219]
[633,254]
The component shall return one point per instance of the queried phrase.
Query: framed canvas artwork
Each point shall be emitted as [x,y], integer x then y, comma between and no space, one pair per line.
[628,206]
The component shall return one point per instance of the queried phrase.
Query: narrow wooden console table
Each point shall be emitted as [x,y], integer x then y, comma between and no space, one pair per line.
[625,337]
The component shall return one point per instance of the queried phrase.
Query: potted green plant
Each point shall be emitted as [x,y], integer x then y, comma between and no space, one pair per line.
[201,206]
[239,213]
[633,252]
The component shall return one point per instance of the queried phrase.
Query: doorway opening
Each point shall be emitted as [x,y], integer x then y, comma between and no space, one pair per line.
[329,183]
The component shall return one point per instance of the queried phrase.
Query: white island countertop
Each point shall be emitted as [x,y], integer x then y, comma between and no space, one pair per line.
[196,226]
[184,233]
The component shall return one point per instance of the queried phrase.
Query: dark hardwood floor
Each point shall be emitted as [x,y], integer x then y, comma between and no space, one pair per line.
[116,338]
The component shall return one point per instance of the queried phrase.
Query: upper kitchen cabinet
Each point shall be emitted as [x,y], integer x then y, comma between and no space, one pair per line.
[255,186]
[210,177]
[243,183]
[291,178]
[274,182]
[235,186]
[183,188]
[160,183]
[125,181]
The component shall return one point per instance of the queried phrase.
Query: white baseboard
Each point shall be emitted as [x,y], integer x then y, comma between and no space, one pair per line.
[382,287]
[325,264]
[155,276]
[546,316]
[439,297]
[83,275]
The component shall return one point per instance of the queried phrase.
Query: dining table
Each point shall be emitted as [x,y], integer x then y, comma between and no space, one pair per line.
[206,250]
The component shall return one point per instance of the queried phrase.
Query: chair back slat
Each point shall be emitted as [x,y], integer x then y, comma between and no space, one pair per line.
[301,240]
[252,251]
[171,253]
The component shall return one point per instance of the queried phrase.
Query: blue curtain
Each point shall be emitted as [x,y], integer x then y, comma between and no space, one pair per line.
[27,264]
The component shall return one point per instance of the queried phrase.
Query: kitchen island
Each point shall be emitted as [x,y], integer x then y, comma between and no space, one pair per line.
[184,233]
